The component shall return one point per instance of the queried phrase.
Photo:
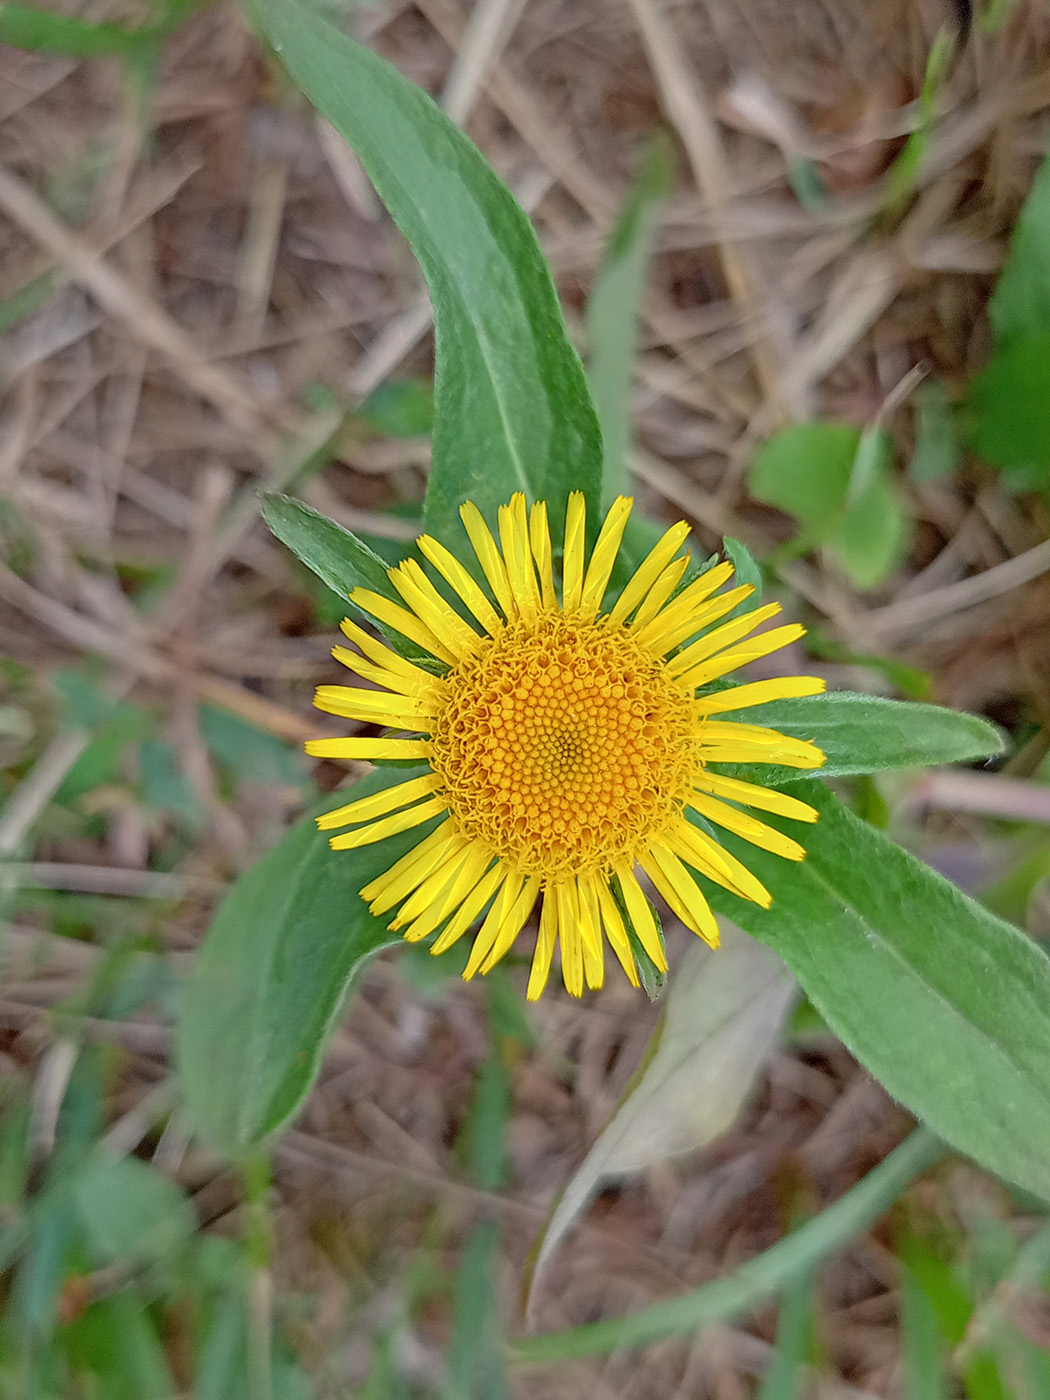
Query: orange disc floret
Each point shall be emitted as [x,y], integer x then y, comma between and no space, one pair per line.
[563,746]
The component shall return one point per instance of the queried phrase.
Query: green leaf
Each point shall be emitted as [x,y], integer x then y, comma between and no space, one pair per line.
[512,410]
[271,977]
[612,313]
[338,557]
[128,1210]
[1008,411]
[945,1004]
[1020,304]
[31,27]
[475,1360]
[837,480]
[334,554]
[865,733]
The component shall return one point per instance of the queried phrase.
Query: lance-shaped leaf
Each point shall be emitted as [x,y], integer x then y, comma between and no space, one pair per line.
[865,733]
[272,975]
[512,410]
[948,1006]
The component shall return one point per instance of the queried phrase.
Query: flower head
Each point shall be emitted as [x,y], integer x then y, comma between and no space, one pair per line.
[565,745]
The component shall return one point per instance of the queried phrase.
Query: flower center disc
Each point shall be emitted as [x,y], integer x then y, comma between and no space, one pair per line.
[563,746]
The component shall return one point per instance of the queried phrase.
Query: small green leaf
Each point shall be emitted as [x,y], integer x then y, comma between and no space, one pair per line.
[512,410]
[401,408]
[745,567]
[837,481]
[1008,410]
[805,471]
[334,554]
[945,1004]
[338,557]
[865,733]
[31,27]
[1020,305]
[129,1211]
[272,975]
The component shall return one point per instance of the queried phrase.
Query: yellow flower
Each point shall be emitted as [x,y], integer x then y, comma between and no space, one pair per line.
[564,745]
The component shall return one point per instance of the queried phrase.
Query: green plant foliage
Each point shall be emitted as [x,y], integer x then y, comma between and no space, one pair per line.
[837,481]
[1020,304]
[128,1211]
[1007,410]
[784,1377]
[511,405]
[947,1005]
[612,314]
[337,556]
[865,733]
[271,977]
[402,408]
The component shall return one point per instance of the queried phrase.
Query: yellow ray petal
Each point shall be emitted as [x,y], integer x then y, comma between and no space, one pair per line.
[573,553]
[762,645]
[722,637]
[590,917]
[677,625]
[641,915]
[658,594]
[649,570]
[685,615]
[430,892]
[753,795]
[489,557]
[471,870]
[487,934]
[690,598]
[603,557]
[513,924]
[454,574]
[569,937]
[615,931]
[375,706]
[364,808]
[593,965]
[412,869]
[517,556]
[469,910]
[726,741]
[681,892]
[540,540]
[741,697]
[411,677]
[544,953]
[428,605]
[750,828]
[423,686]
[697,849]
[369,750]
[403,621]
[389,826]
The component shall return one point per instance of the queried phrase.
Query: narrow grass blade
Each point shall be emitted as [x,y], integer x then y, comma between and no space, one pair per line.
[787,1261]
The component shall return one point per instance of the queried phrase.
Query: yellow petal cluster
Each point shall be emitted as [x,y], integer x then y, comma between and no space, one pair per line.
[568,749]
